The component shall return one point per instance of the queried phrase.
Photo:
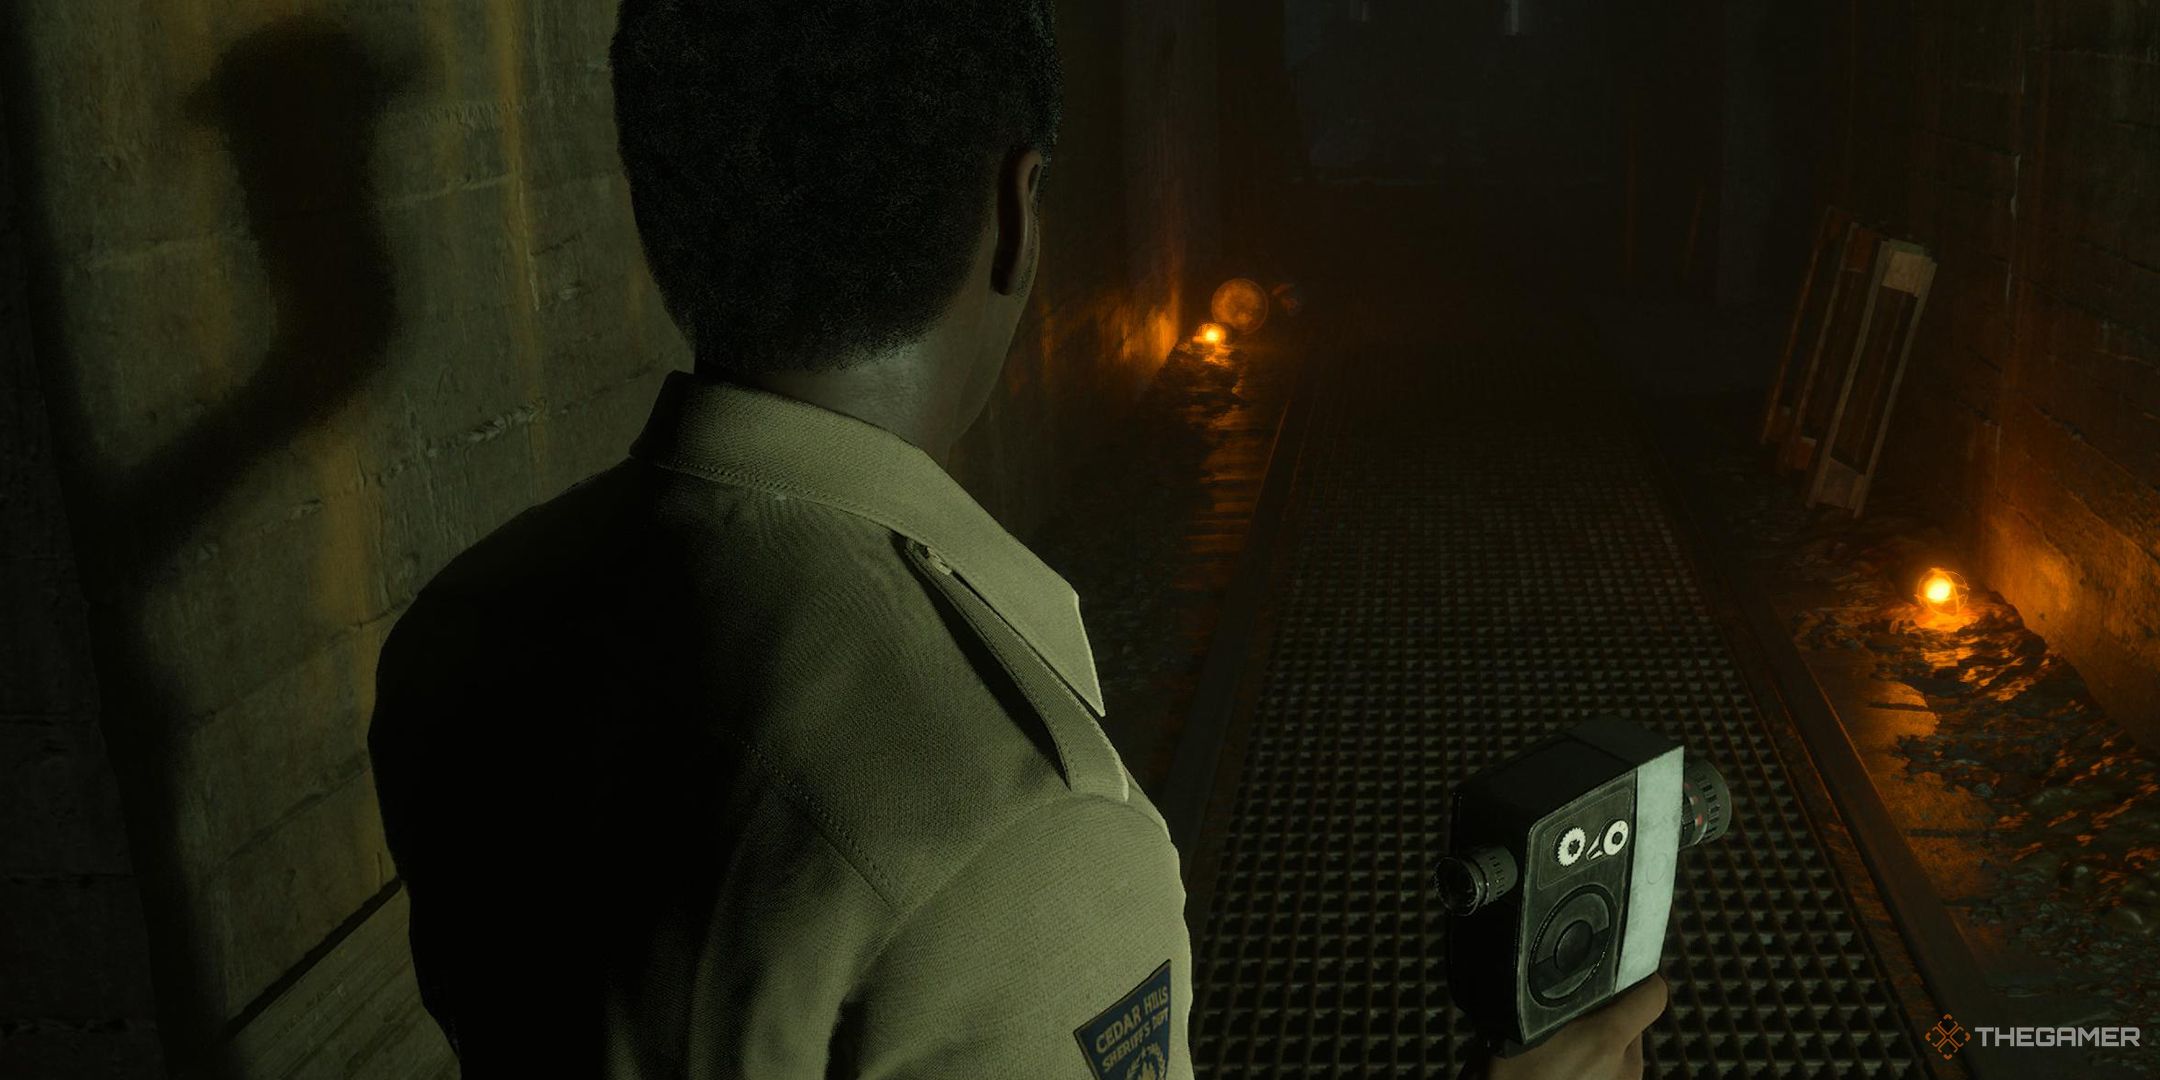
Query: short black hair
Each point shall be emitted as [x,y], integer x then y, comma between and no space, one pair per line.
[810,177]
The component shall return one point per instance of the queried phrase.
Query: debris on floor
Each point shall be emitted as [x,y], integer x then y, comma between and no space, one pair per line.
[1127,533]
[2078,802]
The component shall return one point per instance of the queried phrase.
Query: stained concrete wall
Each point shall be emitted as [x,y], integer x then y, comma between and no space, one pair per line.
[74,963]
[1132,243]
[2020,141]
[316,299]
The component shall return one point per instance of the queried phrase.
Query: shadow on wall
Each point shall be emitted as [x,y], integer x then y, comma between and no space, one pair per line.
[297,104]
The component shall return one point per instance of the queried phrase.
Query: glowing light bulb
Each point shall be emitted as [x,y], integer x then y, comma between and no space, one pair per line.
[1942,591]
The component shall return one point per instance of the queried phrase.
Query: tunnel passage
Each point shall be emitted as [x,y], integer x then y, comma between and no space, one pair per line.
[1480,555]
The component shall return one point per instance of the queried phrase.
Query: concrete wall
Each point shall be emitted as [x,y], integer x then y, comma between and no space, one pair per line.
[74,964]
[316,300]
[1132,242]
[2020,141]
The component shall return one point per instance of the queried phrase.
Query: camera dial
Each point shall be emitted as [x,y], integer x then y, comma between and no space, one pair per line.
[1572,844]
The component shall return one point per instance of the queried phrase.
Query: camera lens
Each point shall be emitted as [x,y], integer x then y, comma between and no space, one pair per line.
[1475,878]
[1705,805]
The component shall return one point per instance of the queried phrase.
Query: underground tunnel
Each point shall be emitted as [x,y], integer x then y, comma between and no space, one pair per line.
[1080,538]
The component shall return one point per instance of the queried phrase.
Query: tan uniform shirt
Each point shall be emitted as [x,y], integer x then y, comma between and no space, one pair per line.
[768,753]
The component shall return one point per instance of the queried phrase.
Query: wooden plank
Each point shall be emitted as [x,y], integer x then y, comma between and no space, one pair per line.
[1818,288]
[1839,329]
[1922,288]
[1822,481]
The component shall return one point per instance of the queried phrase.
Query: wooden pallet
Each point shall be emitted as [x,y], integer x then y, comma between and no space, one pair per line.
[1845,307]
[1803,333]
[1852,442]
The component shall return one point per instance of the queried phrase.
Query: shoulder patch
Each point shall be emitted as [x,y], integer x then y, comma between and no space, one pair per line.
[1130,1040]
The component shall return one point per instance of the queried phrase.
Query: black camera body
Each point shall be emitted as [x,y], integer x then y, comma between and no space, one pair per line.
[1559,877]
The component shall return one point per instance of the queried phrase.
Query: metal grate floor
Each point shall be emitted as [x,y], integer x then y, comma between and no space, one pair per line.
[1481,557]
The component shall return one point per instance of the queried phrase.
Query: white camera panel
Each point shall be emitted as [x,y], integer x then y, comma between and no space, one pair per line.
[1657,860]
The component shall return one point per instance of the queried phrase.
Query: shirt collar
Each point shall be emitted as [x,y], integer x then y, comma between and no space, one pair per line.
[767,442]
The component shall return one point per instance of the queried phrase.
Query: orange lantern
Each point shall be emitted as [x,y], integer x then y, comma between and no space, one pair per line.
[1240,304]
[1942,591]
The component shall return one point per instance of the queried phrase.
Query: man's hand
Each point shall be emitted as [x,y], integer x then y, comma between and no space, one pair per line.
[1601,1045]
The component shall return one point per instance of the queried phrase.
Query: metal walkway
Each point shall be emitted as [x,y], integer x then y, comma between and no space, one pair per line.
[1479,555]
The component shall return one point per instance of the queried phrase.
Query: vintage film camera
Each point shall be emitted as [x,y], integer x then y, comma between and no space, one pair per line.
[1559,876]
